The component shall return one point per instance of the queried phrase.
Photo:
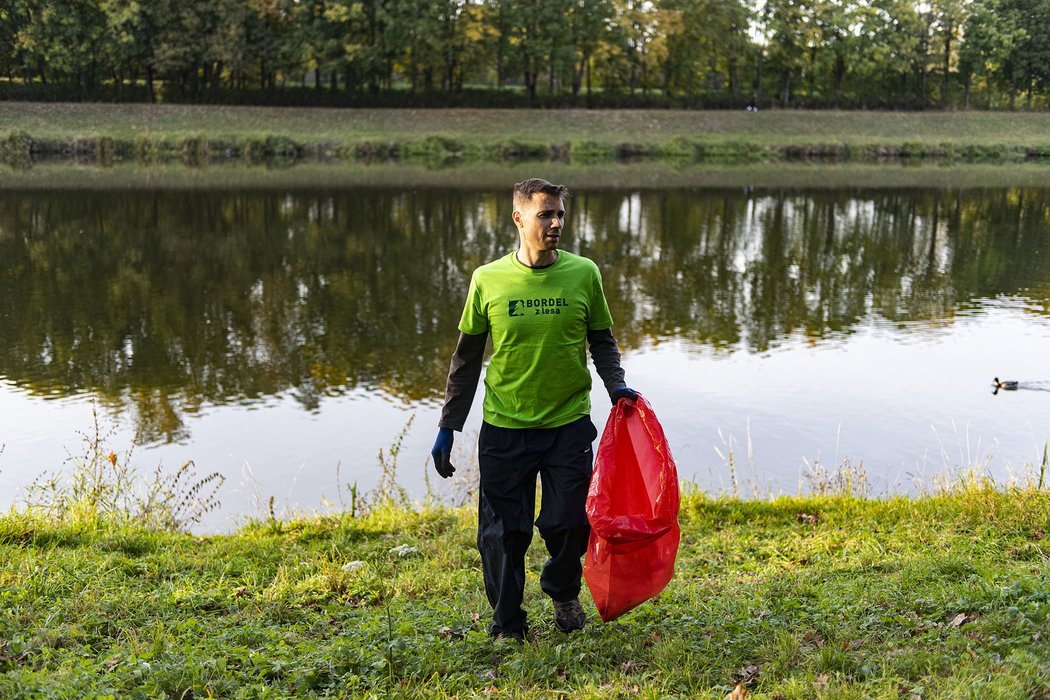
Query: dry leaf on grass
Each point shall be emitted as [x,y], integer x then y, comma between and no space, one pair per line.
[749,673]
[738,693]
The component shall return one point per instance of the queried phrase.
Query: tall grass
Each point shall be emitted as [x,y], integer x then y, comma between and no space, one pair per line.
[100,483]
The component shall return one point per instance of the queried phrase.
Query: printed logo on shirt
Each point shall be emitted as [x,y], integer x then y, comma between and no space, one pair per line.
[536,307]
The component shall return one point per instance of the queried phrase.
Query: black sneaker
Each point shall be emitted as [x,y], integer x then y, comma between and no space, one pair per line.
[569,616]
[513,635]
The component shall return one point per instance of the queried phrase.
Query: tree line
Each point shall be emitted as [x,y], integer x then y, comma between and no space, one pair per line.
[691,53]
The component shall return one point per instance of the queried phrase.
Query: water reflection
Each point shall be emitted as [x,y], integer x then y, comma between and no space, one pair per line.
[164,302]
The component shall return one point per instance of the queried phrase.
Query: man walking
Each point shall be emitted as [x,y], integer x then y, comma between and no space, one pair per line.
[542,307]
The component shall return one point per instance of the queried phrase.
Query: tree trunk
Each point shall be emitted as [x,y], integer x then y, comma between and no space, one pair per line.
[577,75]
[551,82]
[812,71]
[149,83]
[530,86]
[840,75]
[947,64]
[757,91]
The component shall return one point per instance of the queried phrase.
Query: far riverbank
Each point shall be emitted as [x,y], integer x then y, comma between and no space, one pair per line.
[106,134]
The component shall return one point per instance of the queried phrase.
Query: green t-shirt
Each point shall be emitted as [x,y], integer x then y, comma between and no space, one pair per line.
[538,319]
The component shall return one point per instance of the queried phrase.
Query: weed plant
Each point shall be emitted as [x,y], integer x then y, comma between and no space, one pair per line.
[103,485]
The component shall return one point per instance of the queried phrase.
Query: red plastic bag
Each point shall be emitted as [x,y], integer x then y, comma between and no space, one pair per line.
[632,506]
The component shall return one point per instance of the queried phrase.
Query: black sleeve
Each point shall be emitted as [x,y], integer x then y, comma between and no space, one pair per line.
[463,376]
[606,356]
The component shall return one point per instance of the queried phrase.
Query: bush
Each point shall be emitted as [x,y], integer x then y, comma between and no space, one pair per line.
[16,149]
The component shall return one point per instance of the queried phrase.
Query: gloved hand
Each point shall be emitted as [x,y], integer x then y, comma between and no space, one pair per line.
[442,452]
[624,393]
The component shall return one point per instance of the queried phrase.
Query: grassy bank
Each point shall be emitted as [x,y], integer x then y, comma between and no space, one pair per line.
[195,135]
[485,176]
[943,596]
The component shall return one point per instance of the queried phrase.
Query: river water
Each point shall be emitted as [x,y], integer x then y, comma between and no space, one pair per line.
[288,338]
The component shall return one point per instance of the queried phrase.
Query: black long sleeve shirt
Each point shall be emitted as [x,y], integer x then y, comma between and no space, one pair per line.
[465,372]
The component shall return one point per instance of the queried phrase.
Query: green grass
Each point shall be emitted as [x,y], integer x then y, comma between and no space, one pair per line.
[944,596]
[191,134]
[650,175]
[49,120]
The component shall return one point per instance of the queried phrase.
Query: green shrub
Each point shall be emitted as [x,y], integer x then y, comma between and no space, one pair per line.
[16,149]
[193,150]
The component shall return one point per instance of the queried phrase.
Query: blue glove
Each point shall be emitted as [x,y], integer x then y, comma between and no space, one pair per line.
[624,393]
[442,452]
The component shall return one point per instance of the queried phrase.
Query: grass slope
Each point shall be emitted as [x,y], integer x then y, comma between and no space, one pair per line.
[943,596]
[159,133]
[51,120]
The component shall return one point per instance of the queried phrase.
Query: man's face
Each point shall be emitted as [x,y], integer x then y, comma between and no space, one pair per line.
[540,222]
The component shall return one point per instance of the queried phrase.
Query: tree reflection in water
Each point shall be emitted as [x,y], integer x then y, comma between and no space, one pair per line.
[163,302]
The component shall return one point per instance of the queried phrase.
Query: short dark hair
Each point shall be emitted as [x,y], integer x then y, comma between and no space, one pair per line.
[524,190]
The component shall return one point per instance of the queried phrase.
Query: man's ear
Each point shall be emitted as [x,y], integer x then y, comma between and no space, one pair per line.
[516,215]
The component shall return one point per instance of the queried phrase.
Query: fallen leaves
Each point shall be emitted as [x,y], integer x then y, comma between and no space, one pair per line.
[811,640]
[748,674]
[960,620]
[808,518]
[738,693]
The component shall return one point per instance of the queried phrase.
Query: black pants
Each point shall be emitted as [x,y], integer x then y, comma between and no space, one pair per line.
[509,460]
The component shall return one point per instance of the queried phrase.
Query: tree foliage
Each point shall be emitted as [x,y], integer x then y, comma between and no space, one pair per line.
[822,53]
